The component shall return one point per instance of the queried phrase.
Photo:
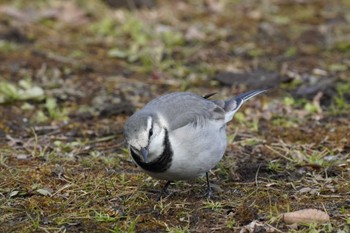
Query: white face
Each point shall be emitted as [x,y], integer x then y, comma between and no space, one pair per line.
[151,137]
[156,144]
[142,138]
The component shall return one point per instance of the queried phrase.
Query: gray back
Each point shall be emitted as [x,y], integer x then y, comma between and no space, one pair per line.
[182,108]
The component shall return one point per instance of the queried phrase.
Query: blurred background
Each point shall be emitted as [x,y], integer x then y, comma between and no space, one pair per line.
[103,57]
[71,72]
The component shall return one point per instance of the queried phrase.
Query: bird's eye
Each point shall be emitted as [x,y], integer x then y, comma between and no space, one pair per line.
[150,133]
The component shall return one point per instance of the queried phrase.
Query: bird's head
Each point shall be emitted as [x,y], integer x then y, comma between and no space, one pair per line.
[141,131]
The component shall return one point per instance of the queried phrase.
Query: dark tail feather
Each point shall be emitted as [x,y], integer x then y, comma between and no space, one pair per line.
[250,94]
[233,104]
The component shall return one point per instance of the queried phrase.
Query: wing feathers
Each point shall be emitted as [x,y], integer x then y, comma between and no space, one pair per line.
[183,108]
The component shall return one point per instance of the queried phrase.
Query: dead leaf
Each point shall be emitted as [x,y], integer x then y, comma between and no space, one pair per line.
[256,226]
[22,156]
[306,216]
[45,191]
[215,6]
[25,16]
[67,12]
[72,14]
[255,14]
[14,193]
[193,33]
[305,190]
[293,226]
[298,156]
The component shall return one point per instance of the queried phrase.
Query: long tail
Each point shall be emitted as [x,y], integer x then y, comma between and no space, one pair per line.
[232,105]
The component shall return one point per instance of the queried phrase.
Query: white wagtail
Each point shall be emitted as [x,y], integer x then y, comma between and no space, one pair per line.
[181,135]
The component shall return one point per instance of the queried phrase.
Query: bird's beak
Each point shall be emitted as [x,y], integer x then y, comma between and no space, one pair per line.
[144,152]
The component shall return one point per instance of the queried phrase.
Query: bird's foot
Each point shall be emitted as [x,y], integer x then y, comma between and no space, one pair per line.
[208,193]
[164,191]
[162,195]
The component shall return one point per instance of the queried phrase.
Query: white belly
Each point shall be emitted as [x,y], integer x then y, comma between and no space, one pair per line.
[196,150]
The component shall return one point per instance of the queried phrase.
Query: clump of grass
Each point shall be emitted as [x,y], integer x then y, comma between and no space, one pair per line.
[22,91]
[340,103]
[147,45]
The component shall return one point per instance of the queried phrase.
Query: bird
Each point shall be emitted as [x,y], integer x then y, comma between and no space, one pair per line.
[181,135]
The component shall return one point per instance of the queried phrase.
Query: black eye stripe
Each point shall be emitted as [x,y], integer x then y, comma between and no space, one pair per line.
[150,133]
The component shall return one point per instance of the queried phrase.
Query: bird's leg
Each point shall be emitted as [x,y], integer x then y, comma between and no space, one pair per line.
[164,190]
[208,193]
